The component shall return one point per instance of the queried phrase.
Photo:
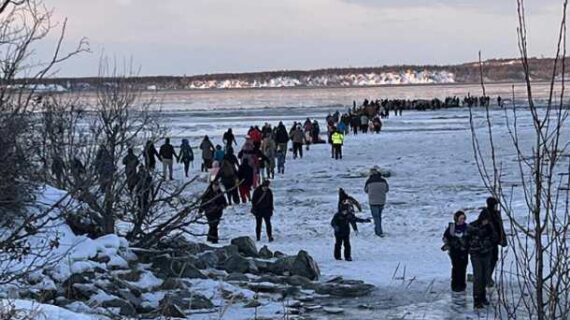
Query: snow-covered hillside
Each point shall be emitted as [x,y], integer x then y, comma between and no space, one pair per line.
[345,80]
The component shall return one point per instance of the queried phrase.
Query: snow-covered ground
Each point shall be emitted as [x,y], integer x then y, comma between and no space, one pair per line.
[430,157]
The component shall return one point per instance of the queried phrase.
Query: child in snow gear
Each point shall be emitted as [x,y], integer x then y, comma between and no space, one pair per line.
[455,243]
[341,223]
[280,160]
[481,237]
[376,187]
[186,155]
[213,204]
[262,209]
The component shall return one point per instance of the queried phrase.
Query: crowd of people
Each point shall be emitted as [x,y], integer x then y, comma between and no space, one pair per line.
[233,176]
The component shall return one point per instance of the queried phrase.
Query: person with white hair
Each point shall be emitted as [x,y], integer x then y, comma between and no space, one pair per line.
[376,187]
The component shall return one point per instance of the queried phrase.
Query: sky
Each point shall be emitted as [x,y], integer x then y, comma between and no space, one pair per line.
[188,37]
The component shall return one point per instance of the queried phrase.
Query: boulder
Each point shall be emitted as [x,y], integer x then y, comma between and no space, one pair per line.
[240,264]
[252,304]
[168,267]
[265,253]
[279,254]
[173,284]
[237,277]
[299,281]
[333,310]
[83,291]
[271,279]
[70,292]
[304,265]
[246,246]
[226,252]
[133,275]
[198,301]
[125,308]
[131,297]
[282,266]
[208,259]
[345,290]
[172,311]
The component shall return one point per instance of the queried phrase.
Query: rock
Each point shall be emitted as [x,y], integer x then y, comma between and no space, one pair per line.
[346,290]
[304,265]
[126,309]
[173,284]
[235,276]
[332,310]
[133,275]
[175,299]
[265,253]
[172,311]
[226,252]
[299,281]
[131,297]
[168,267]
[101,258]
[69,291]
[252,304]
[240,265]
[207,259]
[182,246]
[198,301]
[282,265]
[246,246]
[279,254]
[266,287]
[271,279]
[46,295]
[83,291]
[263,266]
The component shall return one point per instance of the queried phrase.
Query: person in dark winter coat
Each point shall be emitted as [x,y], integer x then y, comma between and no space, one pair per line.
[341,223]
[186,155]
[481,238]
[213,204]
[497,222]
[456,244]
[167,154]
[150,156]
[229,139]
[228,175]
[207,153]
[143,188]
[131,163]
[245,175]
[376,187]
[262,209]
[298,138]
[57,168]
[281,137]
[105,168]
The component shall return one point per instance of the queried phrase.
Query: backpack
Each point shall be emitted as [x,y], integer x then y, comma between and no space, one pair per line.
[186,153]
[227,169]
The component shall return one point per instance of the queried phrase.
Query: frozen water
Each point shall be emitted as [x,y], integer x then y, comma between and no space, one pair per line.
[433,171]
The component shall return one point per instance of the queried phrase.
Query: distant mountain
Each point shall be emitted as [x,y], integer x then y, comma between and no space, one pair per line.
[496,70]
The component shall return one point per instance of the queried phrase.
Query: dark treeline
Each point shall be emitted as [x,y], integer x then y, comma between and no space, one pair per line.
[495,70]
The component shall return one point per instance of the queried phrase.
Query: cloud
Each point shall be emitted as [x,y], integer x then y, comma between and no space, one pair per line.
[205,36]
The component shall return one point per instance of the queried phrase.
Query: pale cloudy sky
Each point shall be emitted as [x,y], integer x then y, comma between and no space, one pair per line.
[176,37]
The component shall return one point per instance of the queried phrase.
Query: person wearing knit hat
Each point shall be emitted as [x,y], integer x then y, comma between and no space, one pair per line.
[481,238]
[494,215]
[456,246]
[376,187]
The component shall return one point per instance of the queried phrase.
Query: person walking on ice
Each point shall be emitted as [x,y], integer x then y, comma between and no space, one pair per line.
[376,187]
[454,242]
[341,222]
